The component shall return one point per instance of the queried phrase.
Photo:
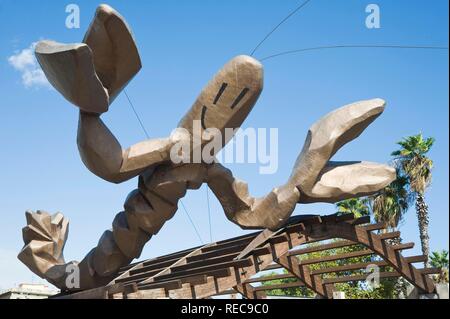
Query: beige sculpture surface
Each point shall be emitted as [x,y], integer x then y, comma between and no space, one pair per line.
[92,74]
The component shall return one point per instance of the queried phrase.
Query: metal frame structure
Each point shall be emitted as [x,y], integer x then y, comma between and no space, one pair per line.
[231,266]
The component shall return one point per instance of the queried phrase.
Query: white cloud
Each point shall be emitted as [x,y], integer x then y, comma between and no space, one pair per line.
[25,62]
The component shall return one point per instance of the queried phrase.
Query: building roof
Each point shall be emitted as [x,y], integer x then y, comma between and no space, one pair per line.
[30,290]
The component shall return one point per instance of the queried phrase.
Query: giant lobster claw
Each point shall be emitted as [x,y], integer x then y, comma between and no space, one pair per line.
[92,74]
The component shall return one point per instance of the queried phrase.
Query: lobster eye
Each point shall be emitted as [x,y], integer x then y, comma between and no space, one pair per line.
[219,94]
[203,117]
[227,99]
[240,97]
[222,89]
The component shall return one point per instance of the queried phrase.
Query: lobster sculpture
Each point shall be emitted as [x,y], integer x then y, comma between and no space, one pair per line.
[92,74]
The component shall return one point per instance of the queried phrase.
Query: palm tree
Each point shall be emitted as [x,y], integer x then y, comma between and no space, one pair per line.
[391,203]
[356,206]
[440,260]
[389,206]
[412,160]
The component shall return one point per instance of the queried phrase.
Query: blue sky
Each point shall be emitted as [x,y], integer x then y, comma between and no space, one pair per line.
[182,44]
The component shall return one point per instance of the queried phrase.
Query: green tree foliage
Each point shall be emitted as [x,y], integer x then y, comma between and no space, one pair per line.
[413,161]
[388,205]
[291,292]
[391,203]
[356,206]
[354,290]
[439,259]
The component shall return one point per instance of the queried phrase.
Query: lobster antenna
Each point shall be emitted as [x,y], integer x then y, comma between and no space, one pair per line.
[279,25]
[354,46]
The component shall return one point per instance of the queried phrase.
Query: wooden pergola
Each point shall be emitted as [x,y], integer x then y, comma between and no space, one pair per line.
[231,266]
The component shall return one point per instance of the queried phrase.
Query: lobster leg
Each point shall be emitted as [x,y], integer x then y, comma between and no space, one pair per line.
[270,211]
[145,211]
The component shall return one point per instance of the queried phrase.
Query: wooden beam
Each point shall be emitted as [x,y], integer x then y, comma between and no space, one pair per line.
[96,293]
[280,286]
[218,252]
[388,252]
[223,244]
[430,271]
[359,221]
[247,291]
[210,270]
[211,265]
[175,255]
[205,262]
[403,246]
[376,226]
[346,279]
[348,267]
[181,261]
[319,260]
[357,266]
[186,278]
[317,248]
[138,277]
[258,241]
[303,273]
[269,278]
[391,235]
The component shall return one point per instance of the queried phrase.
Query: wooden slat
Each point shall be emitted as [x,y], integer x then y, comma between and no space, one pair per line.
[376,226]
[391,235]
[227,292]
[250,235]
[217,246]
[143,275]
[125,274]
[138,277]
[175,283]
[403,246]
[359,221]
[357,266]
[415,259]
[303,273]
[352,254]
[317,248]
[233,263]
[430,271]
[345,279]
[280,286]
[269,278]
[281,238]
[178,254]
[96,293]
[217,273]
[258,241]
[295,228]
[218,252]
[153,266]
[273,267]
[345,218]
[205,262]
[180,261]
[168,285]
[313,220]
[348,267]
